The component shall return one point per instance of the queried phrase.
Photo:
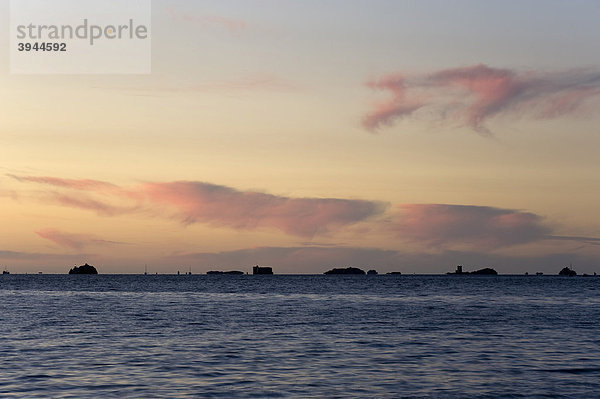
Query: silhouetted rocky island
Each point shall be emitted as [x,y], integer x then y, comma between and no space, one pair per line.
[567,271]
[232,272]
[372,272]
[348,270]
[84,269]
[486,272]
[262,270]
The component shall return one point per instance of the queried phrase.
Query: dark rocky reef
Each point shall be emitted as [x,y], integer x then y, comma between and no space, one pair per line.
[262,270]
[348,270]
[567,271]
[372,272]
[395,273]
[231,272]
[84,269]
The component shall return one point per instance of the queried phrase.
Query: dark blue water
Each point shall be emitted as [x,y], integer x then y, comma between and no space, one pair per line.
[299,336]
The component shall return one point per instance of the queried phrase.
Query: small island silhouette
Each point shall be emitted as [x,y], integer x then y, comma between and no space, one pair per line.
[486,271]
[231,272]
[84,269]
[348,270]
[262,270]
[567,271]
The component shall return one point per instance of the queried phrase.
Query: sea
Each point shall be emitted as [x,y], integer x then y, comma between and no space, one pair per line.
[299,336]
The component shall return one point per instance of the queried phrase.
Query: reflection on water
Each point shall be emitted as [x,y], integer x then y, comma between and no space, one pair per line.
[298,336]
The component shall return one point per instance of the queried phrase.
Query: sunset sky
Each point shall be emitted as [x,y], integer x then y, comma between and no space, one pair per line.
[406,136]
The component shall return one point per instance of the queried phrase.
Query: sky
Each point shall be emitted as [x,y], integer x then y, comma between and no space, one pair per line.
[406,136]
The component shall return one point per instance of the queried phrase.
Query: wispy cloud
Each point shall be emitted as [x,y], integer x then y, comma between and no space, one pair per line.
[188,202]
[72,240]
[77,184]
[62,193]
[233,25]
[82,201]
[200,202]
[443,225]
[246,210]
[472,95]
[578,239]
[38,258]
[396,107]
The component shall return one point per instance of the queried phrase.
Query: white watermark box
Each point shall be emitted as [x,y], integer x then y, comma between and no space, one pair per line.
[80,36]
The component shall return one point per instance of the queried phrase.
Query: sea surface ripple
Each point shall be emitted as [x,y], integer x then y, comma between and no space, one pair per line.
[159,336]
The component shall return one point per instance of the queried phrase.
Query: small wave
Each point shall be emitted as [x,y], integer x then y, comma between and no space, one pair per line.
[576,370]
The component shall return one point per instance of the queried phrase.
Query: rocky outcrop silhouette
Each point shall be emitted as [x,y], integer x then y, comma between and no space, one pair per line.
[487,271]
[84,269]
[567,271]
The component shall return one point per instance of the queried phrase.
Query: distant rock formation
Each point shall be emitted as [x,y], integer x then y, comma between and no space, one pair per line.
[262,270]
[348,270]
[85,269]
[567,271]
[232,272]
[372,272]
[486,271]
[394,273]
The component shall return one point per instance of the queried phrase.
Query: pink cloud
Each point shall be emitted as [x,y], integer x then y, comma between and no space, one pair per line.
[223,206]
[199,202]
[70,240]
[440,224]
[395,108]
[68,192]
[83,202]
[192,202]
[477,93]
[492,89]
